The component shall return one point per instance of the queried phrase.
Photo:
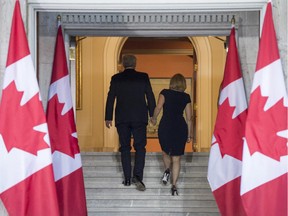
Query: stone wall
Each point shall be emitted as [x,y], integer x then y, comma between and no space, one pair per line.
[248,39]
[280,21]
[47,37]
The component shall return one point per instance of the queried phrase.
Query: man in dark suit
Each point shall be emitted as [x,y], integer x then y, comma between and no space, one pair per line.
[134,99]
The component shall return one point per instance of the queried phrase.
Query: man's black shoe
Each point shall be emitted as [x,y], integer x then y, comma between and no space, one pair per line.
[126,182]
[139,184]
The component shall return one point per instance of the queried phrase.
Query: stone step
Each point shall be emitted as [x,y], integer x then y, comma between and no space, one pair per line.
[158,162]
[88,157]
[123,211]
[167,196]
[148,169]
[155,191]
[147,180]
[91,184]
[155,203]
[157,174]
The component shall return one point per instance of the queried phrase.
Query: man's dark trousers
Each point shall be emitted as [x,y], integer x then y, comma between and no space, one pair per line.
[138,131]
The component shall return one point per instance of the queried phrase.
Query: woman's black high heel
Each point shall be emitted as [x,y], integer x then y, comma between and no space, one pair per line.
[174,190]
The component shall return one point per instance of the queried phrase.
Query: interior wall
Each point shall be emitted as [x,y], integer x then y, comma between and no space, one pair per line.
[218,62]
[165,66]
[90,119]
[208,73]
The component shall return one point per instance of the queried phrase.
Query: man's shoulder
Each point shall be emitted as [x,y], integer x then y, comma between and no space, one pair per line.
[135,73]
[118,75]
[127,74]
[142,73]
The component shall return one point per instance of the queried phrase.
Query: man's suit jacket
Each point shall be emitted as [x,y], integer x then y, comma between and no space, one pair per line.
[134,97]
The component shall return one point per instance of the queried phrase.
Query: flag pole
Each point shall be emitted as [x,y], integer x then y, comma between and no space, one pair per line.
[58,21]
[233,21]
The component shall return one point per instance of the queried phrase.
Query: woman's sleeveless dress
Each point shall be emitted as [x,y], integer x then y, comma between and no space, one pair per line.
[173,131]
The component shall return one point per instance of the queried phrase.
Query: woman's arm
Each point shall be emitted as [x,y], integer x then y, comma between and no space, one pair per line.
[188,113]
[158,108]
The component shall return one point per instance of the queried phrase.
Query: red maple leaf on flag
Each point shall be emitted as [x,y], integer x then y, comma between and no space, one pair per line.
[61,127]
[262,134]
[229,132]
[20,120]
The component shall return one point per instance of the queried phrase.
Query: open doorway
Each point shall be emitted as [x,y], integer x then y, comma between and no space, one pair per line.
[161,58]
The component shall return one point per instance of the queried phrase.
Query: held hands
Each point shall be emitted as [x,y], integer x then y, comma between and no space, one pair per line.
[189,139]
[153,121]
[108,123]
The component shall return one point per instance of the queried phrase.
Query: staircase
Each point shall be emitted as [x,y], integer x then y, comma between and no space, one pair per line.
[106,196]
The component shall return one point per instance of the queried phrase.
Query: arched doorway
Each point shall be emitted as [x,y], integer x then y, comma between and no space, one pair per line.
[94,137]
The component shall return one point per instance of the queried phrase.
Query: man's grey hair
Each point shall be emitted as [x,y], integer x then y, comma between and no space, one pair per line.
[129,61]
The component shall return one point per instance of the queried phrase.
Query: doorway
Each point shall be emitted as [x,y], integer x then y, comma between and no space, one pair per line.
[160,58]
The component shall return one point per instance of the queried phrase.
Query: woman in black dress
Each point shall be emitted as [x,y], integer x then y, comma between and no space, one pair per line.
[174,131]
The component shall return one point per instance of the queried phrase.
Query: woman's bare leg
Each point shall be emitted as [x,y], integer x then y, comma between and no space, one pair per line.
[167,164]
[166,160]
[175,169]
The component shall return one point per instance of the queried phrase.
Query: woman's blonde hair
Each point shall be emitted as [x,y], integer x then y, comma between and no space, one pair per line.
[178,82]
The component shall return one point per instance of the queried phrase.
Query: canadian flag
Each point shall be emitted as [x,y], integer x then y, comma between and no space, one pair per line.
[27,184]
[225,160]
[265,156]
[61,124]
